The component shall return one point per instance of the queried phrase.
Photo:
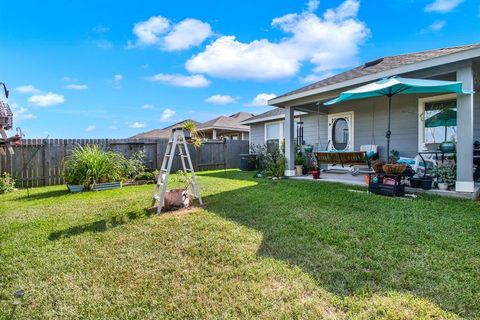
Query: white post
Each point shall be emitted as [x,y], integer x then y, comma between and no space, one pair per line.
[214,134]
[464,181]
[289,141]
[243,136]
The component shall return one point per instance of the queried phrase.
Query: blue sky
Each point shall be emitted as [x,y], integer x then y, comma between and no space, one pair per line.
[95,69]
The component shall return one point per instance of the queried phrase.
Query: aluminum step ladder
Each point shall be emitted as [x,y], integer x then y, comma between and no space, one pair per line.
[177,139]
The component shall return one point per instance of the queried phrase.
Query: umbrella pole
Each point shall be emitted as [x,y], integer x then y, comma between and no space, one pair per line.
[389,133]
[446,128]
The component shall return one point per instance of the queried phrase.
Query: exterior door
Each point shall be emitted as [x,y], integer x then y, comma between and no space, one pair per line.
[340,131]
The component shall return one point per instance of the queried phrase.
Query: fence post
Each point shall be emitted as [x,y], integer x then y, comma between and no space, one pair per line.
[45,162]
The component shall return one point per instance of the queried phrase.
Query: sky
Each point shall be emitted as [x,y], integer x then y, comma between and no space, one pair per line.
[112,69]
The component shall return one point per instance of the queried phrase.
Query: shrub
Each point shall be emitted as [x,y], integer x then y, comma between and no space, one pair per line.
[145,176]
[445,173]
[134,166]
[91,164]
[7,183]
[275,164]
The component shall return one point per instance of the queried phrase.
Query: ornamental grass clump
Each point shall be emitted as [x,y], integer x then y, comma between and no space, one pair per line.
[91,164]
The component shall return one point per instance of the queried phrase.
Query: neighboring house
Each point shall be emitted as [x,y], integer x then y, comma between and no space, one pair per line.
[348,125]
[163,133]
[226,127]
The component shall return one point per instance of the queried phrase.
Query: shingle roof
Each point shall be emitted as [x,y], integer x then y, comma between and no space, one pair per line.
[232,122]
[161,133]
[382,64]
[277,112]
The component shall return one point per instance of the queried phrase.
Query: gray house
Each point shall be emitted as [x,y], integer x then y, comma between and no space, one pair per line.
[350,125]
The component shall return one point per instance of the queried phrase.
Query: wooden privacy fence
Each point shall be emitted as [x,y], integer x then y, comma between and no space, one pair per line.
[38,162]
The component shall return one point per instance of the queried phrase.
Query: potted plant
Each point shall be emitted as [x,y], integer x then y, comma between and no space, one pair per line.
[394,156]
[299,162]
[191,134]
[315,172]
[445,174]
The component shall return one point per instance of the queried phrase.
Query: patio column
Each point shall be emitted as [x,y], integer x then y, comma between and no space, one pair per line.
[214,134]
[464,181]
[289,141]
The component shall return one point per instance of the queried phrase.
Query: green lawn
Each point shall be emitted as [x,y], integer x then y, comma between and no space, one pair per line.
[259,249]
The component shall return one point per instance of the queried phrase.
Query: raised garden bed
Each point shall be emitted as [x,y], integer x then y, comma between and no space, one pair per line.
[106,186]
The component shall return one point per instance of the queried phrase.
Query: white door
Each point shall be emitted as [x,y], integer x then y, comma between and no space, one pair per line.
[340,131]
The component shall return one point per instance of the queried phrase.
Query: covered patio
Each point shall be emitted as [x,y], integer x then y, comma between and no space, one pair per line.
[351,125]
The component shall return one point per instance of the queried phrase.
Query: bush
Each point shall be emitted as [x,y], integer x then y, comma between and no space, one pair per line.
[91,164]
[7,183]
[275,164]
[145,176]
[134,166]
[445,173]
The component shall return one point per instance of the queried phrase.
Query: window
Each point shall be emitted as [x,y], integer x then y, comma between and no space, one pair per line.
[340,134]
[273,135]
[440,121]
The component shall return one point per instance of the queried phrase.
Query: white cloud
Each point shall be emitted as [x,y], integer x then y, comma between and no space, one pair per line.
[186,34]
[46,100]
[104,44]
[167,115]
[329,42]
[76,86]
[178,80]
[436,26]
[312,5]
[442,6]
[27,89]
[21,113]
[116,82]
[261,99]
[138,125]
[221,99]
[148,106]
[90,128]
[158,31]
[147,32]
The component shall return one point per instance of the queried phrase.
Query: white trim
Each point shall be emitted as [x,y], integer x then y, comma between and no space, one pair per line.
[277,117]
[464,186]
[351,127]
[421,110]
[224,128]
[280,135]
[289,173]
[449,58]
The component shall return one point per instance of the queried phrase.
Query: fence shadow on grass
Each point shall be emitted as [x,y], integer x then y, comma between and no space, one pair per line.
[40,194]
[352,242]
[100,225]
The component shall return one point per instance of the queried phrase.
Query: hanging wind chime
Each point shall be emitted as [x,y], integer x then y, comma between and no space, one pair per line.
[6,123]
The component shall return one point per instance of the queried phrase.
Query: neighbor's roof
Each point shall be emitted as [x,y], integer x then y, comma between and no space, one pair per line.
[375,67]
[227,123]
[161,133]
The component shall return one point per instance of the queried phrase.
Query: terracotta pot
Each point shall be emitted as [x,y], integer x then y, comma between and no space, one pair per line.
[298,170]
[316,174]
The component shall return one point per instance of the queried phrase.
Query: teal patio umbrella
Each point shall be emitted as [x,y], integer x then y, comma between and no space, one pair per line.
[446,118]
[392,86]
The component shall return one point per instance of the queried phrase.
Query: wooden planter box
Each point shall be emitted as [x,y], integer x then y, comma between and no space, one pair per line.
[106,186]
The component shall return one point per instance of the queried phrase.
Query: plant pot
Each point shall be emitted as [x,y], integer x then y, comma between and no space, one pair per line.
[106,186]
[74,188]
[176,198]
[415,182]
[426,183]
[447,147]
[443,186]
[187,134]
[299,170]
[316,174]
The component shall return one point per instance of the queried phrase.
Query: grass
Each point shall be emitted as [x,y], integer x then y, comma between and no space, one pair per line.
[260,249]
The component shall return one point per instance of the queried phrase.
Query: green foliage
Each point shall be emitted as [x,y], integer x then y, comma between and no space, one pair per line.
[257,156]
[394,153]
[300,159]
[445,173]
[145,176]
[7,183]
[134,166]
[196,138]
[91,164]
[275,164]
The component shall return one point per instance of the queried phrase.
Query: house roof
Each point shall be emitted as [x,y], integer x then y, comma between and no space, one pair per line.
[161,133]
[271,115]
[227,123]
[377,66]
